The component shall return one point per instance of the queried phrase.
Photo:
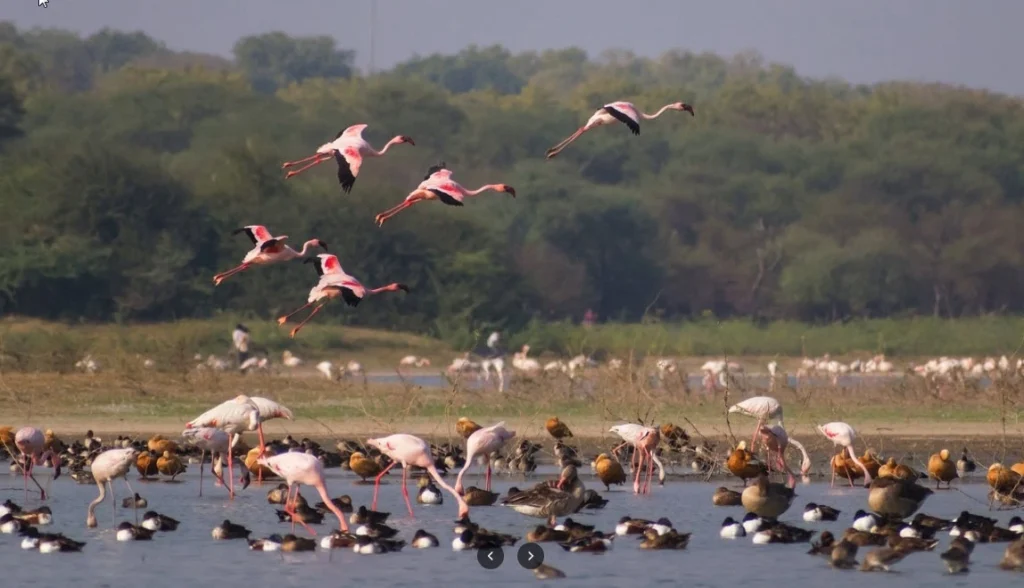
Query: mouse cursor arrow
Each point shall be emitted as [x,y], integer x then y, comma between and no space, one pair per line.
[44,3]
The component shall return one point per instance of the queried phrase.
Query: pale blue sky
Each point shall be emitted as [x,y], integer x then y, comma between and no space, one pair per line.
[972,42]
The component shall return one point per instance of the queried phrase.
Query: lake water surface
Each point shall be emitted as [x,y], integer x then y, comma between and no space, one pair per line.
[190,556]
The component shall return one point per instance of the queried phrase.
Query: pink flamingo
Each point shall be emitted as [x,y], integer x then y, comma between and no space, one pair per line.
[268,249]
[843,435]
[644,441]
[301,468]
[334,283]
[211,439]
[439,185]
[269,409]
[625,112]
[348,149]
[232,416]
[410,451]
[776,440]
[762,408]
[111,464]
[31,442]
[484,442]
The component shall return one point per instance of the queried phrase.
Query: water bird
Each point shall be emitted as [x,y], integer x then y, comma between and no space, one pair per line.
[228,530]
[215,441]
[466,427]
[155,521]
[1013,556]
[624,112]
[1016,524]
[863,538]
[31,443]
[429,493]
[423,540]
[365,516]
[37,516]
[129,532]
[769,499]
[292,543]
[363,466]
[233,417]
[911,544]
[630,526]
[439,185]
[823,546]
[338,540]
[302,468]
[743,464]
[343,502]
[726,497]
[865,521]
[843,435]
[941,468]
[10,525]
[751,522]
[270,543]
[169,464]
[644,441]
[267,250]
[546,572]
[476,497]
[411,451]
[135,501]
[731,529]
[958,557]
[592,500]
[485,441]
[965,465]
[376,530]
[348,150]
[763,408]
[370,546]
[843,555]
[893,497]
[609,471]
[9,507]
[820,512]
[594,543]
[145,464]
[107,466]
[550,500]
[881,558]
[670,540]
[557,428]
[278,494]
[776,532]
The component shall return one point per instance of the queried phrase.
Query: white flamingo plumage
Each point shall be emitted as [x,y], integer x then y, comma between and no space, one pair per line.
[644,441]
[410,451]
[334,283]
[763,408]
[31,442]
[625,112]
[348,149]
[439,185]
[844,435]
[484,442]
[233,417]
[776,440]
[268,249]
[211,439]
[107,466]
[301,468]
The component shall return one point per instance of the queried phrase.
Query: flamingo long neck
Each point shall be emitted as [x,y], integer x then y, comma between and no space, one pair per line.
[388,288]
[484,188]
[91,518]
[305,249]
[656,114]
[805,465]
[374,153]
[432,470]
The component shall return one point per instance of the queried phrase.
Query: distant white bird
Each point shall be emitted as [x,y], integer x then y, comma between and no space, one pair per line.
[353,368]
[523,363]
[348,150]
[240,338]
[290,360]
[254,363]
[462,364]
[624,112]
[326,368]
[87,364]
[413,361]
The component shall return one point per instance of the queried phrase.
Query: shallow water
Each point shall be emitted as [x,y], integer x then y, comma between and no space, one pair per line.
[190,556]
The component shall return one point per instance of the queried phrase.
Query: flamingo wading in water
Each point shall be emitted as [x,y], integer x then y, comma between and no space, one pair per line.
[762,408]
[410,451]
[31,442]
[843,436]
[348,149]
[232,416]
[439,185]
[269,409]
[111,464]
[625,112]
[334,283]
[644,440]
[301,468]
[484,442]
[211,439]
[268,249]
[776,440]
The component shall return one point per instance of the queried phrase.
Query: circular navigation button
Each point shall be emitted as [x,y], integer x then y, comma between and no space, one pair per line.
[490,558]
[530,556]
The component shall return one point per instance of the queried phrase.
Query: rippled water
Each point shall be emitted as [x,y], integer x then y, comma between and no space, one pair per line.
[190,556]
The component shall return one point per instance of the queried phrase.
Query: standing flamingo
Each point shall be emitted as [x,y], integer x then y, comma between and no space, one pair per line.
[211,439]
[644,441]
[843,435]
[776,440]
[301,468]
[268,249]
[484,442]
[31,442]
[334,283]
[410,451]
[439,185]
[625,112]
[269,409]
[232,416]
[111,464]
[348,149]
[762,408]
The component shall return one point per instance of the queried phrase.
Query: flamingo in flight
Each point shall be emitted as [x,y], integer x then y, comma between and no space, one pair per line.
[268,249]
[439,185]
[31,442]
[334,283]
[348,148]
[625,112]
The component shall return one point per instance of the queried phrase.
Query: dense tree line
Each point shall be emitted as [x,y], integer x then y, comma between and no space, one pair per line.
[125,165]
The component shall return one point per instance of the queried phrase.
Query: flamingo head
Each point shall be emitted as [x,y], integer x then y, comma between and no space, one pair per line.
[507,189]
[404,139]
[318,243]
[683,107]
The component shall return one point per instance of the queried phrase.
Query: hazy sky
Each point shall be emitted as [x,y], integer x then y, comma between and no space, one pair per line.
[972,42]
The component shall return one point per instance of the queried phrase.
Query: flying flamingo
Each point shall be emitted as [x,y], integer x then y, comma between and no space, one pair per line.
[843,435]
[301,468]
[644,440]
[348,149]
[211,439]
[762,408]
[31,442]
[268,249]
[625,112]
[111,464]
[484,442]
[410,451]
[439,185]
[334,283]
[232,416]
[776,440]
